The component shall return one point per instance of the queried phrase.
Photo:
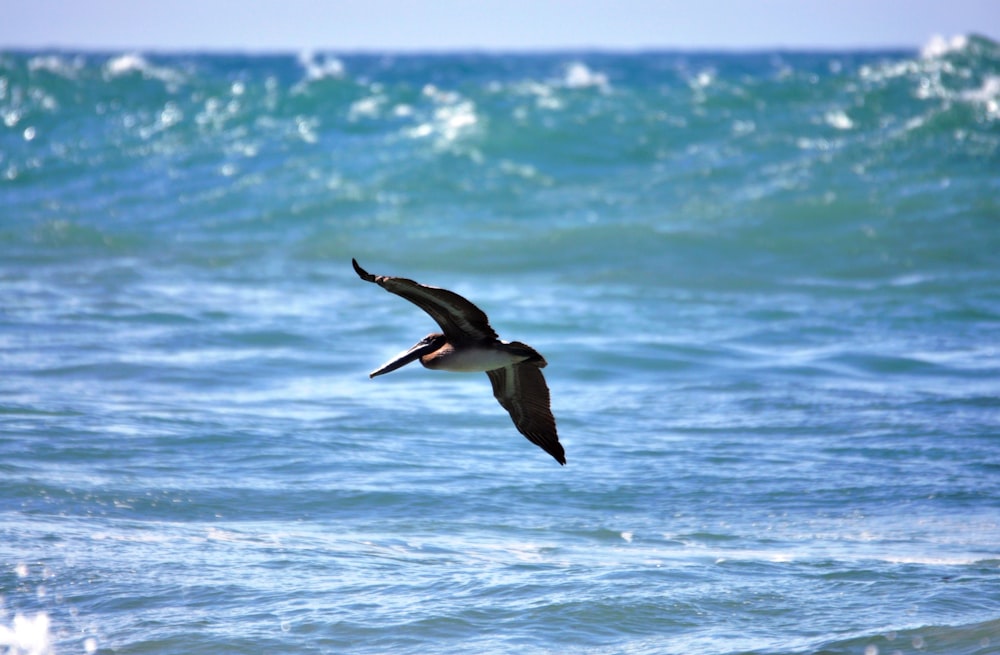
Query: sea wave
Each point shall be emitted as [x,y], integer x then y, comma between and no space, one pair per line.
[981,638]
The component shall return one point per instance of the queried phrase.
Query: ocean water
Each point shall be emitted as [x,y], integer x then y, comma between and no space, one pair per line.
[767,286]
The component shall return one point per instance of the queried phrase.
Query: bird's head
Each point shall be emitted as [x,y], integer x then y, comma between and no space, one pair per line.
[425,346]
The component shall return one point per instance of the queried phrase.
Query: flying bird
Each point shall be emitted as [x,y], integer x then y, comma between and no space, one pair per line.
[467,343]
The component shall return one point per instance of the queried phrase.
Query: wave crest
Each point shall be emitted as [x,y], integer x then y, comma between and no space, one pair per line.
[938,46]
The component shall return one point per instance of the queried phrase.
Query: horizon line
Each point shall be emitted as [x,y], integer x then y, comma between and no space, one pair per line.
[460,50]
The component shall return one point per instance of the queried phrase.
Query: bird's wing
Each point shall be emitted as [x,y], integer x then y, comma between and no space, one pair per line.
[459,319]
[521,390]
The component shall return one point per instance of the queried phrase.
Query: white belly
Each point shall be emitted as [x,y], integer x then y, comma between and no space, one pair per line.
[469,360]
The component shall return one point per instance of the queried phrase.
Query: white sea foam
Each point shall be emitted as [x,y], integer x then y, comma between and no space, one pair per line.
[579,76]
[453,116]
[703,79]
[57,65]
[988,95]
[939,46]
[322,68]
[369,107]
[989,91]
[27,635]
[839,119]
[125,64]
[128,64]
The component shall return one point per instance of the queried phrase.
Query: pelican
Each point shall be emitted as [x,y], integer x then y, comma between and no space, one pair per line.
[467,343]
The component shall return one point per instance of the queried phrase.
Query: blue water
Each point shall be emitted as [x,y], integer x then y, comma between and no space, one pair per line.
[767,286]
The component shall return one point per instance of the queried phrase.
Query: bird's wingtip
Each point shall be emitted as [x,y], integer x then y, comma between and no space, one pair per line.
[362,273]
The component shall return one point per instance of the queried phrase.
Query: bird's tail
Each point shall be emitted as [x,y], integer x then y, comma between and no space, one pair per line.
[524,350]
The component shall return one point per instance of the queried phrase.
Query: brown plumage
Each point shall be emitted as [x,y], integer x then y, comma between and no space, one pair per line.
[469,343]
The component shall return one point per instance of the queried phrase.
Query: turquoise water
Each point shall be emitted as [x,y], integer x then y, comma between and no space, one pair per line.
[767,286]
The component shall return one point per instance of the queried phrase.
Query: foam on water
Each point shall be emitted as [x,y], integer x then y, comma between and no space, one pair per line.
[938,46]
[27,635]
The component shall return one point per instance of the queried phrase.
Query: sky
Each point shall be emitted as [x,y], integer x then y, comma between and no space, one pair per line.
[494,25]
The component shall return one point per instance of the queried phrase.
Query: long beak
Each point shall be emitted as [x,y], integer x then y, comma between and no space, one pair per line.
[402,359]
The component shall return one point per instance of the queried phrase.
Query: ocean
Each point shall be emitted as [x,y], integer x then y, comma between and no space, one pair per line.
[767,286]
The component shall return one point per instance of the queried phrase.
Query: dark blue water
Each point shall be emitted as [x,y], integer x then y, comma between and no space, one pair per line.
[767,286]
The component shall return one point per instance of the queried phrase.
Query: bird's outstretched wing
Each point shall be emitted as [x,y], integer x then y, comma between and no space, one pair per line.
[521,390]
[459,319]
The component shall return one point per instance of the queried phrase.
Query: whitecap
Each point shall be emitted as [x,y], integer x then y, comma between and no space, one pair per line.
[544,95]
[306,128]
[453,116]
[124,64]
[454,119]
[939,46]
[329,67]
[579,76]
[56,65]
[369,107]
[27,635]
[133,63]
[703,80]
[839,120]
[989,91]
[914,123]
[988,95]
[170,115]
[11,117]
